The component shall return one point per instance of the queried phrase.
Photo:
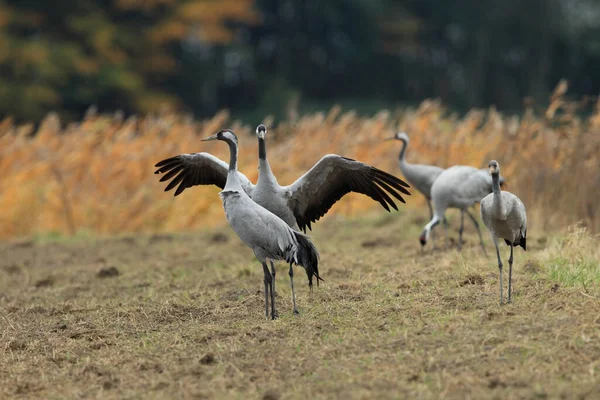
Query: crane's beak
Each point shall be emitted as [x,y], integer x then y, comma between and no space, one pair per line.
[390,138]
[213,137]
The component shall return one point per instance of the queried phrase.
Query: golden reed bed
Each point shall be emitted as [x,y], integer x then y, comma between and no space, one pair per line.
[97,175]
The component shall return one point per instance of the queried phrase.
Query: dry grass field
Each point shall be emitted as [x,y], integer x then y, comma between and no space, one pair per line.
[182,316]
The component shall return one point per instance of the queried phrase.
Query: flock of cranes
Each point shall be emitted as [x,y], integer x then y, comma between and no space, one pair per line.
[271,218]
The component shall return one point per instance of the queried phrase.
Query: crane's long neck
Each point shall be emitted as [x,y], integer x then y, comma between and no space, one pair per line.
[402,155]
[233,180]
[497,200]
[264,169]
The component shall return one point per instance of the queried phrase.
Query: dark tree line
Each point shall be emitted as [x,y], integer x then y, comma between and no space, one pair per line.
[258,55]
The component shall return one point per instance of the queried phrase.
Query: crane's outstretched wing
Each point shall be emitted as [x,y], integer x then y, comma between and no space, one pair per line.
[189,170]
[313,194]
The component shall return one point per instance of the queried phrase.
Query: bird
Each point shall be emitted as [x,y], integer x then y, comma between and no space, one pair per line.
[310,197]
[303,202]
[264,232]
[420,176]
[459,187]
[505,216]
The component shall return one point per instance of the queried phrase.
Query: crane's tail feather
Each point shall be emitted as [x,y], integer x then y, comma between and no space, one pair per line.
[308,257]
[522,242]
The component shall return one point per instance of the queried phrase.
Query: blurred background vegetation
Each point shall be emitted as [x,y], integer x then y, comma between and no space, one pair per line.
[258,57]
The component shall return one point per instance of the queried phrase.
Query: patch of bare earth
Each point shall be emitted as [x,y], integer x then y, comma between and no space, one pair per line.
[182,316]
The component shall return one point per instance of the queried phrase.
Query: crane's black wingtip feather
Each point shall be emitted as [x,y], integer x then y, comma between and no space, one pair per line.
[165,161]
[391,178]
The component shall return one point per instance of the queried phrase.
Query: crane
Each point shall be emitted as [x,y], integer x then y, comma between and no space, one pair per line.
[264,232]
[505,216]
[420,176]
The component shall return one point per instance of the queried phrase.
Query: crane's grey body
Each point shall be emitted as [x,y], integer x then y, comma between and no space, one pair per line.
[420,176]
[505,216]
[269,237]
[457,187]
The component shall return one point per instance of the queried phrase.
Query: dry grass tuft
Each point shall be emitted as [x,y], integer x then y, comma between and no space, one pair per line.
[97,175]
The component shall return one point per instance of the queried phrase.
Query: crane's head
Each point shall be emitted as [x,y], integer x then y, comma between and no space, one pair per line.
[402,136]
[261,131]
[226,135]
[494,167]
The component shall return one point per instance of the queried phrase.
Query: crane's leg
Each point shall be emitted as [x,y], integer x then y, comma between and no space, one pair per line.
[478,231]
[461,229]
[267,286]
[499,265]
[273,309]
[293,292]
[430,209]
[510,261]
[430,218]
[425,233]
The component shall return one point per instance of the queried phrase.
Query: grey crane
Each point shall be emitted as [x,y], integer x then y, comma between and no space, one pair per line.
[420,176]
[303,202]
[457,187]
[264,232]
[505,216]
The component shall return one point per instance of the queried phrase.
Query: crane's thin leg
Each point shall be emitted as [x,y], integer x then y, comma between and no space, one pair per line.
[273,309]
[430,209]
[510,261]
[267,287]
[432,236]
[461,229]
[478,231]
[499,266]
[293,292]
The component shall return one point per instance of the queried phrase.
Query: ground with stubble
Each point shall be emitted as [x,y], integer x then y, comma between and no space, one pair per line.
[182,316]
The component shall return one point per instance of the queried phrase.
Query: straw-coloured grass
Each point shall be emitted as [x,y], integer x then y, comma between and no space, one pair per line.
[97,175]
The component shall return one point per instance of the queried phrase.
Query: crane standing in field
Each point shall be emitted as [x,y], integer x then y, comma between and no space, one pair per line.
[505,216]
[264,232]
[457,187]
[420,176]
